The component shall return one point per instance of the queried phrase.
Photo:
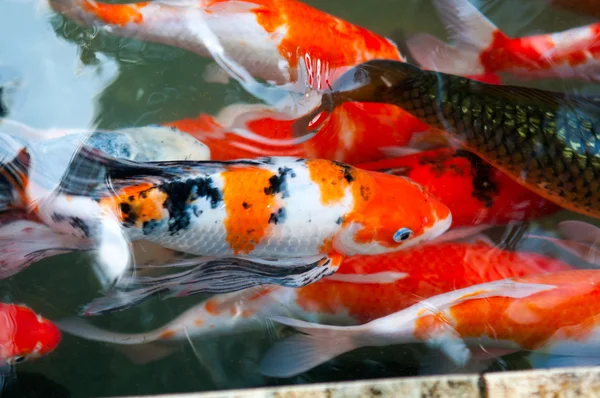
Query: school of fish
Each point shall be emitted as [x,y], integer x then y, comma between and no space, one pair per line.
[366,202]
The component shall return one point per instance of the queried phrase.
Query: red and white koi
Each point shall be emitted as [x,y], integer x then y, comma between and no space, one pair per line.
[25,335]
[480,47]
[553,313]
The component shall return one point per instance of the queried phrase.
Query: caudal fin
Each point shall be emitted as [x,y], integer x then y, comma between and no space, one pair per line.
[302,352]
[471,33]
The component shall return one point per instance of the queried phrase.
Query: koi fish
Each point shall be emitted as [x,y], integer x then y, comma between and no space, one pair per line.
[544,140]
[553,313]
[475,192]
[363,289]
[246,131]
[25,335]
[480,47]
[251,131]
[269,38]
[235,215]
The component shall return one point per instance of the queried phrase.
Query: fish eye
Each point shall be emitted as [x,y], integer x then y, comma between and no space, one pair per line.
[17,360]
[402,234]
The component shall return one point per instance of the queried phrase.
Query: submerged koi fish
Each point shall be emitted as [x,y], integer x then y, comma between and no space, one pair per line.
[363,289]
[553,313]
[475,192]
[546,141]
[483,48]
[250,131]
[25,335]
[269,38]
[308,214]
[245,131]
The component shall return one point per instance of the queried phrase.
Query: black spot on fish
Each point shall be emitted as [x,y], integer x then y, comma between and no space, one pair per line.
[129,217]
[484,188]
[131,198]
[347,170]
[75,222]
[276,218]
[365,192]
[149,226]
[249,231]
[125,208]
[246,205]
[339,221]
[278,183]
[143,195]
[181,193]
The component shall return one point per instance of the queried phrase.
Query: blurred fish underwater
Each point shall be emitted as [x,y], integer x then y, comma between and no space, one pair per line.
[186,185]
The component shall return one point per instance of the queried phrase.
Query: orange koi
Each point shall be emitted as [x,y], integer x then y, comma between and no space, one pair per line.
[553,313]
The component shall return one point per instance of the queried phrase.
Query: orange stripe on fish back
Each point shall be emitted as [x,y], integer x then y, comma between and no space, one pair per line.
[248,206]
[115,14]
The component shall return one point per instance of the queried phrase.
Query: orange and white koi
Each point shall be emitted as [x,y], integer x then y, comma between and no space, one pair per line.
[269,38]
[481,47]
[25,335]
[363,289]
[308,214]
[553,313]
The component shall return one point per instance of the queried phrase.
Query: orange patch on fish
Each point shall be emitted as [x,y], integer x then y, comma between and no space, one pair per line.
[332,179]
[427,326]
[139,204]
[334,42]
[199,322]
[167,334]
[249,206]
[115,14]
[212,308]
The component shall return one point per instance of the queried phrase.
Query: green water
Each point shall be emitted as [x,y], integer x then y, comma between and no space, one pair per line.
[75,77]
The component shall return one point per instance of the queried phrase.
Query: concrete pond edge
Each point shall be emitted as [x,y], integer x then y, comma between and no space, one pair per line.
[556,383]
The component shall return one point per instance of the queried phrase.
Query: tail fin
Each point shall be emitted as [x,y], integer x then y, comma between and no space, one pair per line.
[299,353]
[471,31]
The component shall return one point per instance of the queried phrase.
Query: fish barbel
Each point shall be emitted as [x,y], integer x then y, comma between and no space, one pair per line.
[547,141]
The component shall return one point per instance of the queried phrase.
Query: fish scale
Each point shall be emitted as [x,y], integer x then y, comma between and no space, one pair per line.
[545,140]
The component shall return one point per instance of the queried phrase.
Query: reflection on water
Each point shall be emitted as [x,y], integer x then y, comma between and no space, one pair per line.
[75,77]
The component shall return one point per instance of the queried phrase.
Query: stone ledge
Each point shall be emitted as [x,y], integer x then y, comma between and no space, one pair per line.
[555,383]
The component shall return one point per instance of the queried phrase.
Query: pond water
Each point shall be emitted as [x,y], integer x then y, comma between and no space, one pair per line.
[74,77]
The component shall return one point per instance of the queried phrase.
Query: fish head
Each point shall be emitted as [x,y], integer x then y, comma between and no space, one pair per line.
[30,336]
[391,213]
